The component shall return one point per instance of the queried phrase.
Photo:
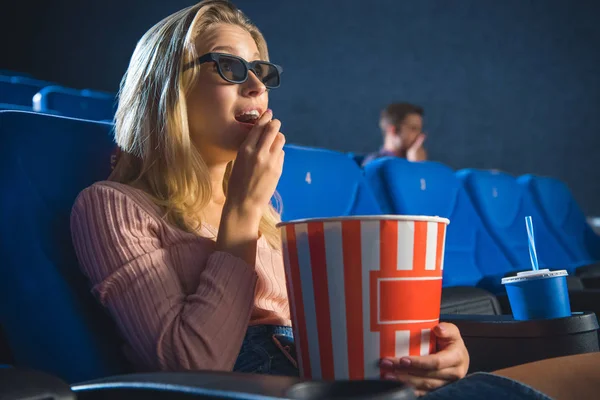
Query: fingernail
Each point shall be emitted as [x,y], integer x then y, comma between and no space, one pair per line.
[389,376]
[441,328]
[270,111]
[404,362]
[386,363]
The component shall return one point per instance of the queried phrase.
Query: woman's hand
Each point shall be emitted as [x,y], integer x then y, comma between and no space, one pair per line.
[253,180]
[426,373]
[258,166]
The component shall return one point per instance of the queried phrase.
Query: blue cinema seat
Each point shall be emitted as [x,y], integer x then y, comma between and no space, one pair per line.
[357,157]
[503,205]
[430,188]
[86,104]
[566,220]
[50,319]
[15,107]
[19,90]
[563,216]
[323,183]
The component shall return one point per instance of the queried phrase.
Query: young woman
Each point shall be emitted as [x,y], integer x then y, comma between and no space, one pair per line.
[180,243]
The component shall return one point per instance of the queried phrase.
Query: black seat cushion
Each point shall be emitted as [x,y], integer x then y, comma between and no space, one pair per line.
[469,300]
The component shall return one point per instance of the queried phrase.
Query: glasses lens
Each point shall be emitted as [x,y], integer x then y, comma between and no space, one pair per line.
[267,73]
[232,69]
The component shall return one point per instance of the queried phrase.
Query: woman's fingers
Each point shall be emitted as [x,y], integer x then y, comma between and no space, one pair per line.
[419,383]
[446,374]
[281,159]
[268,136]
[434,362]
[278,143]
[255,133]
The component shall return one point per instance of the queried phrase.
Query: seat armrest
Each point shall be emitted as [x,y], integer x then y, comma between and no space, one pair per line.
[496,342]
[25,384]
[231,385]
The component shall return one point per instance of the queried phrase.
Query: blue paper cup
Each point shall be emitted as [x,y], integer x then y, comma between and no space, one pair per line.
[539,294]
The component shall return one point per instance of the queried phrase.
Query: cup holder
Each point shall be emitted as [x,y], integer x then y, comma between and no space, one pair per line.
[351,390]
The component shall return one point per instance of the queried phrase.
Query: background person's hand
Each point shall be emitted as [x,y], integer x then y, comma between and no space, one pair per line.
[416,152]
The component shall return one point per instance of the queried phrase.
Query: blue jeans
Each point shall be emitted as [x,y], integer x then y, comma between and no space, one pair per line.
[486,386]
[270,350]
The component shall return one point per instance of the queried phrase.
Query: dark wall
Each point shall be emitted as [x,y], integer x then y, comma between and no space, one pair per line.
[513,84]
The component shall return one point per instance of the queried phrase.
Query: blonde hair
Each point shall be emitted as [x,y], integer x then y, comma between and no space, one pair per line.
[151,124]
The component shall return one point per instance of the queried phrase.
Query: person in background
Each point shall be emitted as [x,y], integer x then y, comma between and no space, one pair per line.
[401,125]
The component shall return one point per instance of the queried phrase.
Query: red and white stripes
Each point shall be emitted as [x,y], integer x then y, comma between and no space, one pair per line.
[361,290]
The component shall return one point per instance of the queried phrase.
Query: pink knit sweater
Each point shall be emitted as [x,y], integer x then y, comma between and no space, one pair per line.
[179,304]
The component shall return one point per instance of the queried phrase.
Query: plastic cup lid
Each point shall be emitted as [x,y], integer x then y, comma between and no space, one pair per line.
[530,275]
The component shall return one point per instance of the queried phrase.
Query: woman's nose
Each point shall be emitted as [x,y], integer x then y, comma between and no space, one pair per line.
[253,87]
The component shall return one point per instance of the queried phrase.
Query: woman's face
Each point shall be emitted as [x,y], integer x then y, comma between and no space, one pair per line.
[214,104]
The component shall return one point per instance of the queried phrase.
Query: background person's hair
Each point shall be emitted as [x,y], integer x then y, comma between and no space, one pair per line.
[151,123]
[395,113]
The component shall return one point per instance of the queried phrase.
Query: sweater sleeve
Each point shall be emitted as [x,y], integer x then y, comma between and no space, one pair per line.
[133,274]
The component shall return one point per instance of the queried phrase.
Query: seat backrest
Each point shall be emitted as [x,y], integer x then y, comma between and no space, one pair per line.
[19,90]
[85,104]
[503,205]
[323,183]
[431,188]
[358,158]
[51,320]
[4,106]
[563,216]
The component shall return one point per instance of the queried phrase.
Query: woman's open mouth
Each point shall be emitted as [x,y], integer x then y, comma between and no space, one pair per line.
[248,117]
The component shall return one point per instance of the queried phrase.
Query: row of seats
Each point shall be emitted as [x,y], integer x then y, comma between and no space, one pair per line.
[46,160]
[486,238]
[29,94]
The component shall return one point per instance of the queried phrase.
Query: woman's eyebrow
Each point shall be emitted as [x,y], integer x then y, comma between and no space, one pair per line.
[231,50]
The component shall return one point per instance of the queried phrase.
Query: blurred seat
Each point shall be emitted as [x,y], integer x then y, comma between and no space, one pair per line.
[323,183]
[85,104]
[472,258]
[358,158]
[15,107]
[594,223]
[563,216]
[19,90]
[503,205]
[566,220]
[50,319]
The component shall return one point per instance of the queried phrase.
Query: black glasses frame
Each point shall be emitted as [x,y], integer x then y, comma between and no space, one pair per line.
[248,66]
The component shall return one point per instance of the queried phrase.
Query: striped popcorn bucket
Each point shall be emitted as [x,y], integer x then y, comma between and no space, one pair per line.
[362,288]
